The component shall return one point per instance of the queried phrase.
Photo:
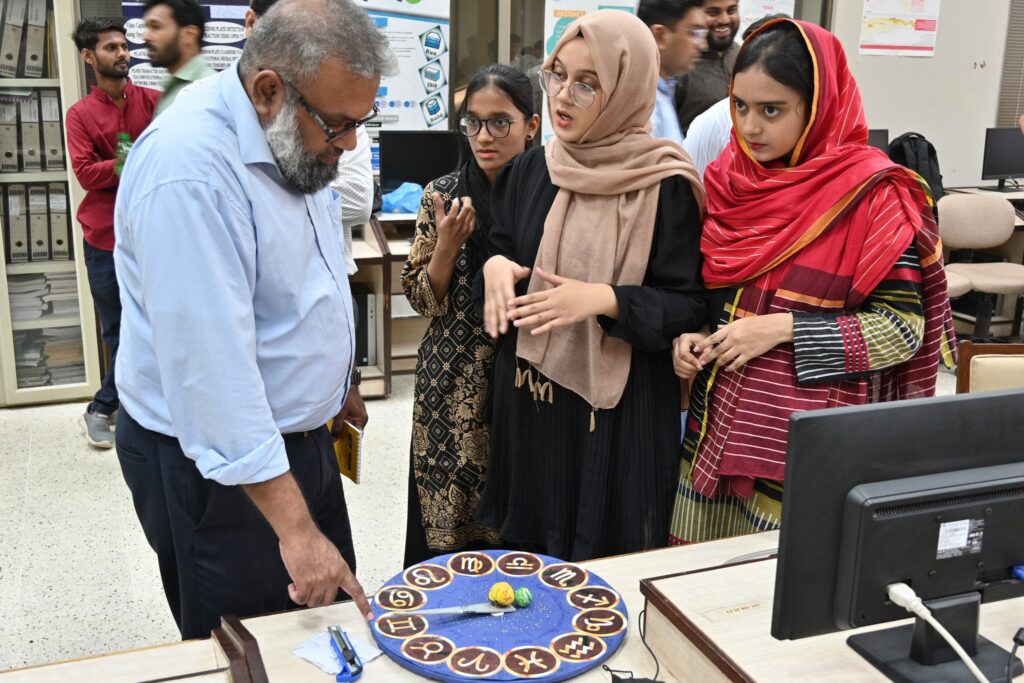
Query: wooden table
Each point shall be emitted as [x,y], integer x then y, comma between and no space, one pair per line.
[714,625]
[278,634]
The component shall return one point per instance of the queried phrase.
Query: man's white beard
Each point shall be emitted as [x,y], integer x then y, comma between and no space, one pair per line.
[302,170]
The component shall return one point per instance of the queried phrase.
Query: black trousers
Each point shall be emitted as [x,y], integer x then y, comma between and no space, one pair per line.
[99,264]
[217,553]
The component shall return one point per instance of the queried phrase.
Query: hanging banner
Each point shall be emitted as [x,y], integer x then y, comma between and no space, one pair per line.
[902,28]
[223,39]
[752,10]
[558,14]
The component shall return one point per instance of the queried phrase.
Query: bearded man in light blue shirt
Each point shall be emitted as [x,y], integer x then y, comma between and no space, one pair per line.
[237,331]
[679,28]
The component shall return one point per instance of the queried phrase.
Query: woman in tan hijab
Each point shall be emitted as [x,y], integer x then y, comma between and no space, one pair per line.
[594,268]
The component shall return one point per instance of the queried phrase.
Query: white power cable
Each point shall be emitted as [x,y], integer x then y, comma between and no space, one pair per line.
[904,596]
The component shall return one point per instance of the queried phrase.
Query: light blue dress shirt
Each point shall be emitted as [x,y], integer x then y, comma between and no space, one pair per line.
[665,119]
[236,324]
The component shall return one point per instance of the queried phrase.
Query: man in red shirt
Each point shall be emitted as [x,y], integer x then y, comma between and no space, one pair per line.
[100,129]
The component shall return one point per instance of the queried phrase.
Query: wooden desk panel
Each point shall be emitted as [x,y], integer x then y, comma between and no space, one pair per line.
[718,622]
[165,661]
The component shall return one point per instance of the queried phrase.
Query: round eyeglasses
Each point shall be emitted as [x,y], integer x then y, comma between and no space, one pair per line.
[497,127]
[581,94]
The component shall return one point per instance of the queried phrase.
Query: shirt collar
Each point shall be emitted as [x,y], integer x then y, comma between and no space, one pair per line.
[101,94]
[193,70]
[252,141]
[666,86]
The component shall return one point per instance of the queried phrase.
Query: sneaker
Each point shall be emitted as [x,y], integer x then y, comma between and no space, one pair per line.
[97,430]
[112,420]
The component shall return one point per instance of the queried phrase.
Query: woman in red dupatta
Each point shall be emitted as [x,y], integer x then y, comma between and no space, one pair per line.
[825,271]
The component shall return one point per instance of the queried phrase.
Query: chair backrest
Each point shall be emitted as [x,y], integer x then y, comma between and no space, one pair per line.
[989,367]
[973,221]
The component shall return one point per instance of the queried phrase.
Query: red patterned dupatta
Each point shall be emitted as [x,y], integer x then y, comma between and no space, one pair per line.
[807,237]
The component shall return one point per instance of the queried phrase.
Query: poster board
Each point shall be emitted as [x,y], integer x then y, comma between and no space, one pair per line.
[899,28]
[223,39]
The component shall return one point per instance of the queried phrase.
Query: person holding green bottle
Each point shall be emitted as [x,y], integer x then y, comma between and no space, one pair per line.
[100,131]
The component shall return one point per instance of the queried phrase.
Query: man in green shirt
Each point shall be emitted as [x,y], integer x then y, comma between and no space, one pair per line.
[174,38]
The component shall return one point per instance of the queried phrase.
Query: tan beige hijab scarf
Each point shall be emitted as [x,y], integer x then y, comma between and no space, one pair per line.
[601,224]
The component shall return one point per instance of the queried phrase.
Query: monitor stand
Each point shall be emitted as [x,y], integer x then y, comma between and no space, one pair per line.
[917,653]
[1001,186]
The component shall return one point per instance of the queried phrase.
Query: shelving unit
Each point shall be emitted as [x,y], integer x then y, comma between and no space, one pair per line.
[52,357]
[381,248]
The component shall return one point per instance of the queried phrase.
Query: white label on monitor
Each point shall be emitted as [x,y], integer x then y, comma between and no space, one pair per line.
[959,538]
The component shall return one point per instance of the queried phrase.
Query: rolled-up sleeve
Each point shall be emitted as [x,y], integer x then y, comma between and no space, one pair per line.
[195,263]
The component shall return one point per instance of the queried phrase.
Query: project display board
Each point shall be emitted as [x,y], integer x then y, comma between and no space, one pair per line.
[415,98]
[575,622]
[223,39]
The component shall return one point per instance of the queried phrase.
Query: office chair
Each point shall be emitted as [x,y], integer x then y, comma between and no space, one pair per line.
[989,367]
[982,222]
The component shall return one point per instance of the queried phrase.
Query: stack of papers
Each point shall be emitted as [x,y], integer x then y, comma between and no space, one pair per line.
[29,359]
[65,357]
[63,294]
[27,292]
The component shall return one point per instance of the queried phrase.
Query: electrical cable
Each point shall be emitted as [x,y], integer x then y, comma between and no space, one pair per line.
[903,595]
[1018,640]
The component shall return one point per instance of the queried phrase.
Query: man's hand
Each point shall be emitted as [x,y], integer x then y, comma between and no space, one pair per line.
[743,340]
[500,278]
[317,570]
[314,564]
[353,410]
[568,302]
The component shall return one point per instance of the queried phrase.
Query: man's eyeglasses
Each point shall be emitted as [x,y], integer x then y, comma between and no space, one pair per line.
[331,133]
[498,127]
[698,35]
[581,94]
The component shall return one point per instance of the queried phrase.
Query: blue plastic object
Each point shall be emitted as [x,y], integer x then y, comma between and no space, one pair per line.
[351,666]
[403,199]
[1018,572]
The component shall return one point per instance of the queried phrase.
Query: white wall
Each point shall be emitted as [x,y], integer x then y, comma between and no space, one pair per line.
[950,98]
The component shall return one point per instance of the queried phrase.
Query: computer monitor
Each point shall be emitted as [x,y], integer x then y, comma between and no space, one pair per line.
[879,137]
[1004,157]
[416,156]
[928,492]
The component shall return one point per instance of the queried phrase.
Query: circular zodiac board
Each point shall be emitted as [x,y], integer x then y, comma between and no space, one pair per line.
[576,620]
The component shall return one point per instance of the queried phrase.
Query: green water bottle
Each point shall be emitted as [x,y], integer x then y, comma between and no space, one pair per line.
[124,145]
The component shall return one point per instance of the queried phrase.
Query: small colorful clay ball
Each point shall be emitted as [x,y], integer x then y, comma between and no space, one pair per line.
[523,597]
[501,594]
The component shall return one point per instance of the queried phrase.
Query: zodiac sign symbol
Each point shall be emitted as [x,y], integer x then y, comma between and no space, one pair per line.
[428,577]
[597,624]
[577,647]
[527,663]
[603,622]
[564,576]
[471,565]
[428,649]
[395,627]
[475,661]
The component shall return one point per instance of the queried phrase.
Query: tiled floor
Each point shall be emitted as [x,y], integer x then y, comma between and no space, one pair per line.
[76,575]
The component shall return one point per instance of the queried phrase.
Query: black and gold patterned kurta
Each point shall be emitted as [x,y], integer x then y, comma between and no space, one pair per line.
[450,435]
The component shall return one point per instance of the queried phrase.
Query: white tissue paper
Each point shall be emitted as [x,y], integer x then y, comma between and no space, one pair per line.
[318,651]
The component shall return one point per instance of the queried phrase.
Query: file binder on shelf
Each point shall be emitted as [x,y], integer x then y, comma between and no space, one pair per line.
[9,137]
[35,39]
[31,158]
[60,227]
[38,223]
[53,144]
[16,224]
[10,41]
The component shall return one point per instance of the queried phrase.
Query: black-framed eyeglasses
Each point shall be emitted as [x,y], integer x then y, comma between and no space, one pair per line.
[581,94]
[498,126]
[331,133]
